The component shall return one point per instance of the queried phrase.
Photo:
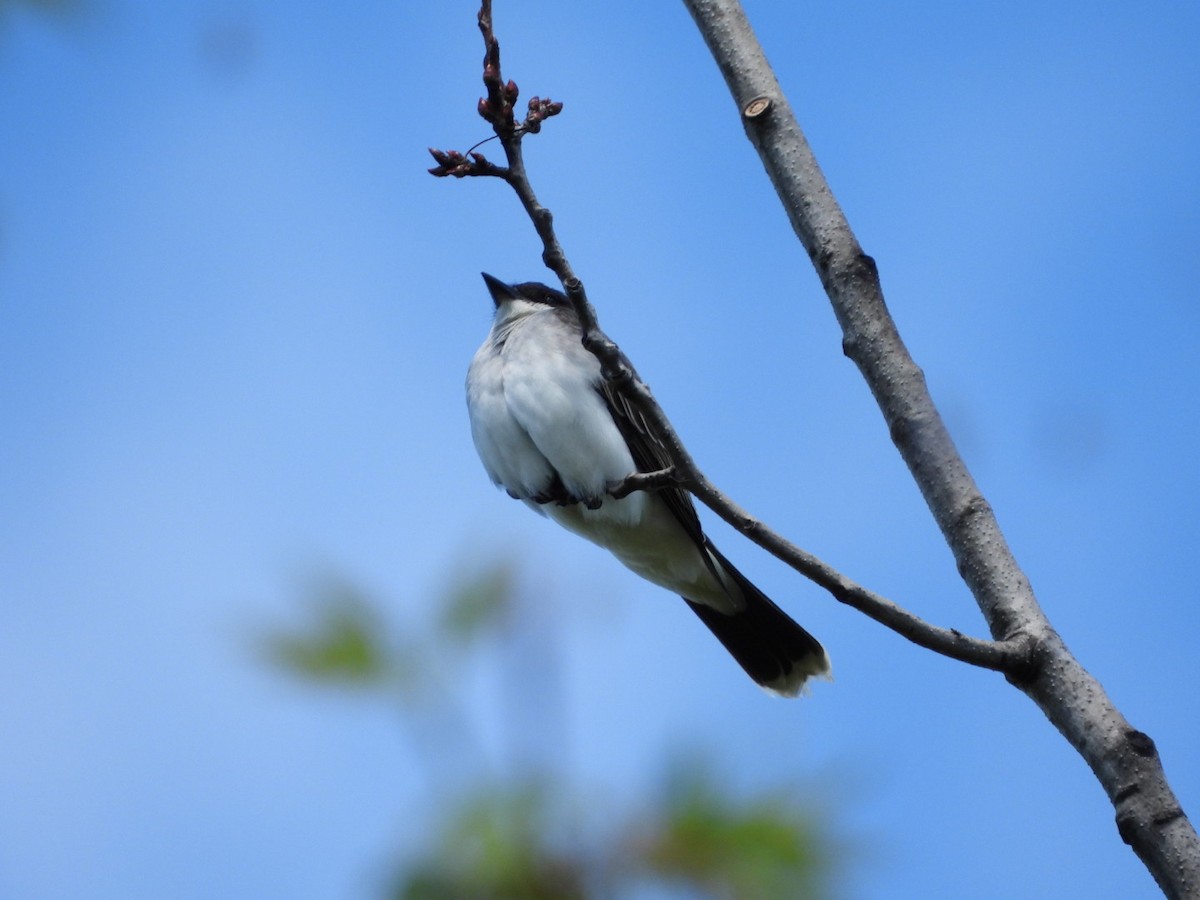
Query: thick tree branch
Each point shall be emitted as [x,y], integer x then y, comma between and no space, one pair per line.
[1124,760]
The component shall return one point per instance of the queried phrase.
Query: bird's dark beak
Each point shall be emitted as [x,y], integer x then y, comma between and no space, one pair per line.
[500,291]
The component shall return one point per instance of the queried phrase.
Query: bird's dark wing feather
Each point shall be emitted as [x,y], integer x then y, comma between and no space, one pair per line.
[650,455]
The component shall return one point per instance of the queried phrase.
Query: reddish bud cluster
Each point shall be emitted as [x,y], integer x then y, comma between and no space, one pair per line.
[451,162]
[497,109]
[539,110]
[497,106]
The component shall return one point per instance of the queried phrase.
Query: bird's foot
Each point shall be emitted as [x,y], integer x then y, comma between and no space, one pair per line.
[557,493]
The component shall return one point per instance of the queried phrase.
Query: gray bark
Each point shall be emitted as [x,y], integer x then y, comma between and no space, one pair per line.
[1124,760]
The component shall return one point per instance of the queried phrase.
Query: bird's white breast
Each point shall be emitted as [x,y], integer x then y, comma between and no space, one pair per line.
[535,411]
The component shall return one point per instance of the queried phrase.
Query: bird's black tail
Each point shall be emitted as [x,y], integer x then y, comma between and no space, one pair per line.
[776,652]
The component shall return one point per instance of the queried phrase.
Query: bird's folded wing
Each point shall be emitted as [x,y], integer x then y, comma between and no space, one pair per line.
[650,454]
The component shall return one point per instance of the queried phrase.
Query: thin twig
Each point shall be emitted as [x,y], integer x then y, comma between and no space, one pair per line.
[645,481]
[1011,657]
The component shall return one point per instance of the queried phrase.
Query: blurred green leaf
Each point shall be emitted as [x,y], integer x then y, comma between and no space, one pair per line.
[497,849]
[752,850]
[343,645]
[520,841]
[479,604]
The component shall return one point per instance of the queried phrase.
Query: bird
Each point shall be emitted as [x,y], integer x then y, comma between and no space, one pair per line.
[555,434]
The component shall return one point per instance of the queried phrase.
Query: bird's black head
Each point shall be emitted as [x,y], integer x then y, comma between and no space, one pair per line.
[533,291]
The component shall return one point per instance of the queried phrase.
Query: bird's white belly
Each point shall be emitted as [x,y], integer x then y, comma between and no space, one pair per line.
[641,532]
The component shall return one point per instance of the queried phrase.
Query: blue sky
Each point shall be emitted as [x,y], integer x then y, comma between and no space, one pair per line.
[235,318]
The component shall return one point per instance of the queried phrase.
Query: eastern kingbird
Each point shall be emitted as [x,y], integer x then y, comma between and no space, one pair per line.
[553,433]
